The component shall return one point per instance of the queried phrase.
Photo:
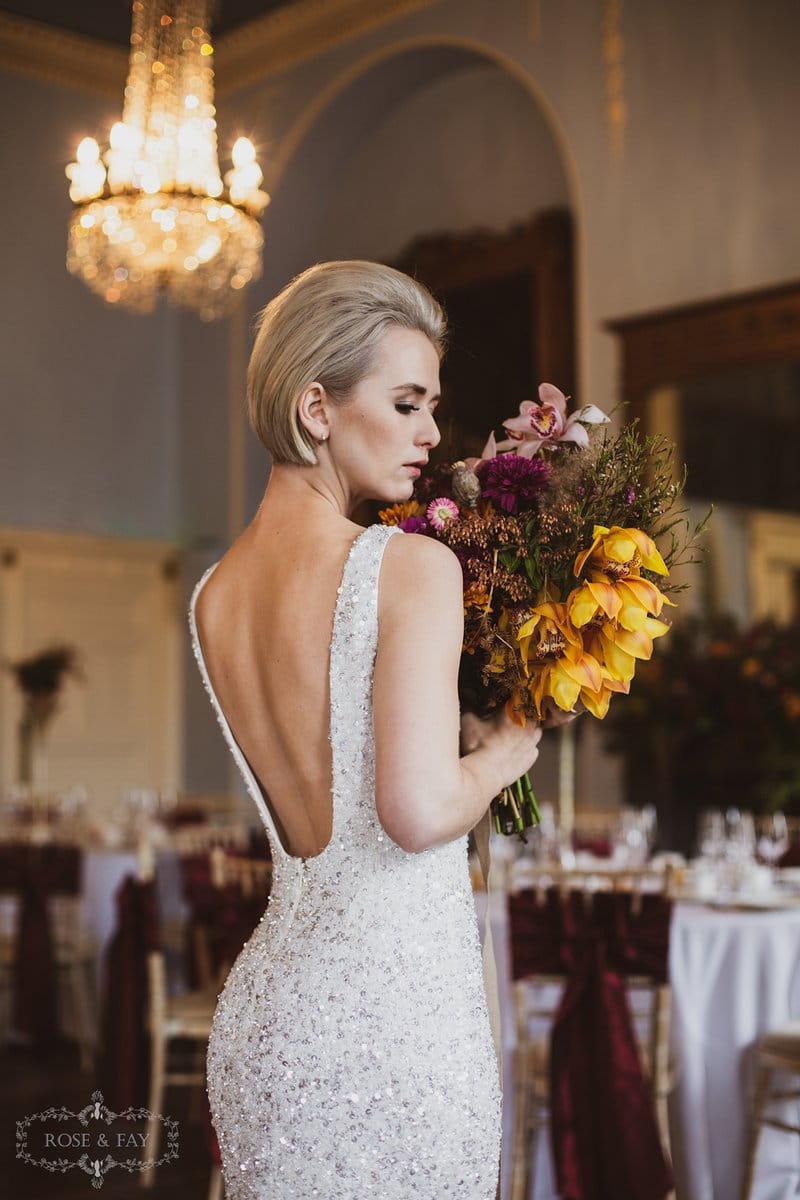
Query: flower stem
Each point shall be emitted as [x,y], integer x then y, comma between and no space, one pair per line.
[515,809]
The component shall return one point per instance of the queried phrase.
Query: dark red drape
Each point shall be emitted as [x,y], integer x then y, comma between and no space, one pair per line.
[125,1061]
[606,1144]
[36,874]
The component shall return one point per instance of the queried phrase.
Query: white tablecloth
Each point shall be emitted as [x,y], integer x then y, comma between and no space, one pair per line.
[734,975]
[104,871]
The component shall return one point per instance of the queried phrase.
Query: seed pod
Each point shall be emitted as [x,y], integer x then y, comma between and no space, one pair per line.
[466,485]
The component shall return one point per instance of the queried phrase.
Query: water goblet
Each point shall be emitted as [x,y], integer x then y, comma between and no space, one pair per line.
[711,834]
[773,838]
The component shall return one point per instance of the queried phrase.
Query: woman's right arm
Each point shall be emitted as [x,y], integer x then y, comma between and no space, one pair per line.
[426,792]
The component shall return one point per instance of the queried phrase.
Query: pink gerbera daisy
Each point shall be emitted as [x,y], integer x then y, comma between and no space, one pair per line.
[442,512]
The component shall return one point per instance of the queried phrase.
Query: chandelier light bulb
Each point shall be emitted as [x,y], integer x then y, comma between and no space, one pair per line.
[88,152]
[152,211]
[243,152]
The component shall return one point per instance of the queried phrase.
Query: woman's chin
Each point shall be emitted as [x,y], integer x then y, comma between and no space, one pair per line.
[397,493]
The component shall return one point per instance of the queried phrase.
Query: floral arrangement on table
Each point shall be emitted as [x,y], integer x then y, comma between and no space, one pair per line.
[717,712]
[40,679]
[555,529]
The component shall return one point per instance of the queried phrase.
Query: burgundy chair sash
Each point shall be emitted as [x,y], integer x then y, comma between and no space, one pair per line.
[125,1064]
[225,915]
[606,1144]
[189,815]
[37,873]
[236,918]
[600,847]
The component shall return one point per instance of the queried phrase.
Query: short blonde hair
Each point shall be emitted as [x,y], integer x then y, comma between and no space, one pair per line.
[326,325]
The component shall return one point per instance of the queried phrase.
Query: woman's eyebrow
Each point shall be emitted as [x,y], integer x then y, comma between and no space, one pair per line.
[417,388]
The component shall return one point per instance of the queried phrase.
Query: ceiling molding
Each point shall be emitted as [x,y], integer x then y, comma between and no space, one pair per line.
[57,56]
[299,31]
[258,49]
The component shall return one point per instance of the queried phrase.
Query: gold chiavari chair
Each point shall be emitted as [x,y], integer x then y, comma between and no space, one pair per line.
[203,838]
[778,1056]
[172,1019]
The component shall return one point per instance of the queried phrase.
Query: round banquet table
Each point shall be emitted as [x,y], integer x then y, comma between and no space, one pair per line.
[734,975]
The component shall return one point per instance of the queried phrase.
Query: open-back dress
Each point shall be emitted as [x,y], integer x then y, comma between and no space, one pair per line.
[351,1054]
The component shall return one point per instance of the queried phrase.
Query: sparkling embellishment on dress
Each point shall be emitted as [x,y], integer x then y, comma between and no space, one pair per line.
[351,1054]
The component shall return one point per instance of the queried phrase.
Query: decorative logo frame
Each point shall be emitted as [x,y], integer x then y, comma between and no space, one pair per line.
[97,1160]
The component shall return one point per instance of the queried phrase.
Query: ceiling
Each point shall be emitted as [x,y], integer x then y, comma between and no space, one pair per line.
[110,20]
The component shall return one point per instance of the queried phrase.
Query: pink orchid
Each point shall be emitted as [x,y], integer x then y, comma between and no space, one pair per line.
[546,423]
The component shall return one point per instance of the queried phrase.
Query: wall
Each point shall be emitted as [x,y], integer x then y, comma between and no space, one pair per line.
[88,428]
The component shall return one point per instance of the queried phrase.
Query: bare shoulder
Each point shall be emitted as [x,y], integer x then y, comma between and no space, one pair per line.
[420,567]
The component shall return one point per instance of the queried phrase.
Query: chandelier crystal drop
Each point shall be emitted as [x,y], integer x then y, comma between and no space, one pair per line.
[152,212]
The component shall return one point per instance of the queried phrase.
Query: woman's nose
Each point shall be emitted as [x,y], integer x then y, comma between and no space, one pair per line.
[430,435]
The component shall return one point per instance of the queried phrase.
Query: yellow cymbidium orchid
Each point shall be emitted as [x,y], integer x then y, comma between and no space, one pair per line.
[639,642]
[597,702]
[617,664]
[546,633]
[639,600]
[554,658]
[564,680]
[617,649]
[596,595]
[621,552]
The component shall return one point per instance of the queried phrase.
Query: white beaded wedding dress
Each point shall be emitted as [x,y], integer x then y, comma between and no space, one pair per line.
[351,1054]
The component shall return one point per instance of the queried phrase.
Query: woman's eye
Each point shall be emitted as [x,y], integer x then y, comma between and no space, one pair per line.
[405,407]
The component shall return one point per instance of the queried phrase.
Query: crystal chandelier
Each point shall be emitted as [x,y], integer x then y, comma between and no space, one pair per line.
[152,212]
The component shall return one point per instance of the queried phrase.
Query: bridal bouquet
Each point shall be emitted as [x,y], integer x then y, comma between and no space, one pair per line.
[555,529]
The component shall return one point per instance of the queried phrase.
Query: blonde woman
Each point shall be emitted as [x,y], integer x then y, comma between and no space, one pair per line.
[351,1054]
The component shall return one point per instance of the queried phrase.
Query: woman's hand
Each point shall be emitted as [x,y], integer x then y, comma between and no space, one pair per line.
[515,746]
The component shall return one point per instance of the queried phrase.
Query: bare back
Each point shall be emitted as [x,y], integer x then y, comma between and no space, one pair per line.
[264,621]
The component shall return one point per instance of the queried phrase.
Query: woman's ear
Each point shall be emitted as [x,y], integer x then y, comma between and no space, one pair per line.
[312,411]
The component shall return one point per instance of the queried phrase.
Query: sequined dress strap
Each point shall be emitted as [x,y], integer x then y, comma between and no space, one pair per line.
[352,659]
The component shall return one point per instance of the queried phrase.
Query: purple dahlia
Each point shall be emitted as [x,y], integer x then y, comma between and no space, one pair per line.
[513,482]
[414,525]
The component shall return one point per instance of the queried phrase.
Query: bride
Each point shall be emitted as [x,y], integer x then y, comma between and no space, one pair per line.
[351,1054]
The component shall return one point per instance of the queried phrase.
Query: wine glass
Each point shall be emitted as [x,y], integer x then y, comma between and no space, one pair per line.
[741,841]
[546,840]
[712,834]
[650,825]
[632,840]
[773,838]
